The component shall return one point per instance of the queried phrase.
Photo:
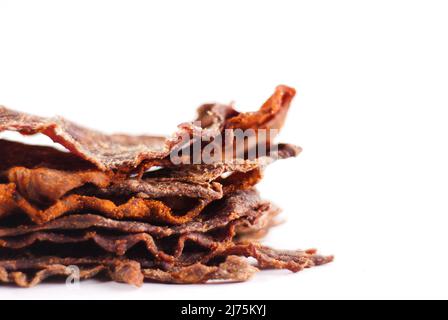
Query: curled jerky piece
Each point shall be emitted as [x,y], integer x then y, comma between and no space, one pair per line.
[244,203]
[233,269]
[46,185]
[16,154]
[271,115]
[134,208]
[209,172]
[119,244]
[119,270]
[268,258]
[127,153]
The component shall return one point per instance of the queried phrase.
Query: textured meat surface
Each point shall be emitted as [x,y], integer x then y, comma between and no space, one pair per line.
[126,153]
[237,205]
[120,244]
[136,207]
[233,269]
[16,271]
[46,181]
[117,207]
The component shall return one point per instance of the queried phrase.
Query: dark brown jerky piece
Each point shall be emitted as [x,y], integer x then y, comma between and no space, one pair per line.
[237,205]
[46,185]
[134,208]
[120,244]
[233,269]
[119,270]
[266,257]
[126,153]
[104,151]
[154,189]
[210,172]
[130,271]
[271,115]
[14,154]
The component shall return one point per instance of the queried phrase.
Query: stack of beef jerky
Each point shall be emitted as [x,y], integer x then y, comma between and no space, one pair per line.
[118,206]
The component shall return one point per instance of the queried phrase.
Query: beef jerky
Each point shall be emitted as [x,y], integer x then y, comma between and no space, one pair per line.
[233,269]
[267,258]
[210,172]
[117,245]
[259,226]
[120,244]
[155,189]
[134,208]
[119,270]
[46,184]
[133,271]
[23,155]
[127,153]
[240,204]
[271,115]
[104,151]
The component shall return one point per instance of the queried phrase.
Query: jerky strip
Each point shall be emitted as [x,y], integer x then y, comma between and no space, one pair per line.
[120,244]
[44,185]
[233,269]
[126,153]
[237,205]
[135,208]
[129,271]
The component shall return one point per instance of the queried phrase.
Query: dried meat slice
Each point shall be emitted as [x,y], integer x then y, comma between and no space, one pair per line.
[46,186]
[42,183]
[244,203]
[16,154]
[134,208]
[18,271]
[233,269]
[268,258]
[127,153]
[210,172]
[121,244]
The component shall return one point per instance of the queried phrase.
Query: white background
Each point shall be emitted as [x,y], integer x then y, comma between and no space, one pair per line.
[371,114]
